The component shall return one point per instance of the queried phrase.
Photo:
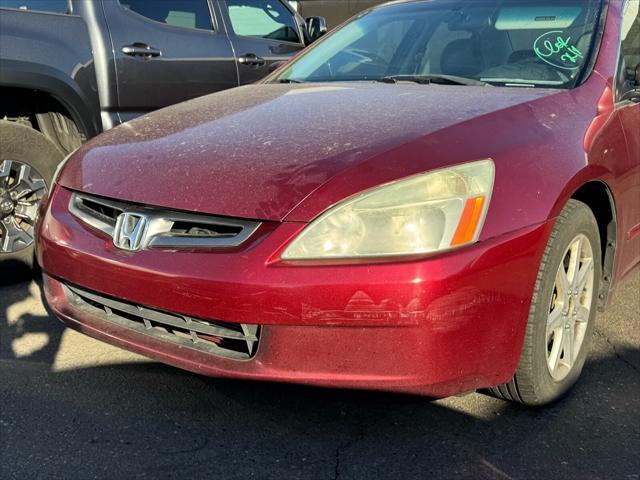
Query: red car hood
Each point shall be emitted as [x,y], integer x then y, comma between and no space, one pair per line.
[258,151]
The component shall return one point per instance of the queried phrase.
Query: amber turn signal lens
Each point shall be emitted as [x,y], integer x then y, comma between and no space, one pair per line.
[469,221]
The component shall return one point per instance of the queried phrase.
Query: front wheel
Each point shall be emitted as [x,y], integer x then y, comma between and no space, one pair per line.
[562,313]
[27,164]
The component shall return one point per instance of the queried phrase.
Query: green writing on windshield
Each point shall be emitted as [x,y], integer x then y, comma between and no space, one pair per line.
[557,50]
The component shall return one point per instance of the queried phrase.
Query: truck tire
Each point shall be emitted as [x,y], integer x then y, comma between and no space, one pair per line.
[562,314]
[28,161]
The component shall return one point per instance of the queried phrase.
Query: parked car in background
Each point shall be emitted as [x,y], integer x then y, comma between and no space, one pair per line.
[335,11]
[70,69]
[433,199]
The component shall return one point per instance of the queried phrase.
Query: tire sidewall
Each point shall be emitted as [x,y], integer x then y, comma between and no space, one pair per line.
[581,221]
[26,145]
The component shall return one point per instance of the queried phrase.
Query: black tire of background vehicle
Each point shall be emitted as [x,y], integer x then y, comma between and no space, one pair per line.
[26,145]
[532,383]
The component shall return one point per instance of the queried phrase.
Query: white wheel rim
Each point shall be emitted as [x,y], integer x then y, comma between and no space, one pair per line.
[570,307]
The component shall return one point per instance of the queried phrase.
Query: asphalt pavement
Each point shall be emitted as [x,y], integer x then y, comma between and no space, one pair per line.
[72,407]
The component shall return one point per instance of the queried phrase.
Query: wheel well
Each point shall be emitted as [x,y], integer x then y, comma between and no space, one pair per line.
[597,196]
[43,112]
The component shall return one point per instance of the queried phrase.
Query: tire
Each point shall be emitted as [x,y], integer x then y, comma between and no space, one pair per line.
[546,372]
[22,145]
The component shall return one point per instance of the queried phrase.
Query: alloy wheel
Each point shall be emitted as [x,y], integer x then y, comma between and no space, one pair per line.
[21,189]
[570,307]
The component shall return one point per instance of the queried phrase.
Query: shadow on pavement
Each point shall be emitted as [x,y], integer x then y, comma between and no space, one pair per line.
[46,325]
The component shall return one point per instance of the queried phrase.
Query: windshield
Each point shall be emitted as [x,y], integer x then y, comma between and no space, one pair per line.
[535,43]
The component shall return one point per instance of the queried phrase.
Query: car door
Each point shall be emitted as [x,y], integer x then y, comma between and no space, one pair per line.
[167,51]
[262,32]
[628,111]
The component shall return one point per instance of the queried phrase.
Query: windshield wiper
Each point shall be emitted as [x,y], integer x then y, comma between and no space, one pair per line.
[433,78]
[288,80]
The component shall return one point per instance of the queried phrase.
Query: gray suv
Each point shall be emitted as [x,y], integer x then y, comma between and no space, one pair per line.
[70,69]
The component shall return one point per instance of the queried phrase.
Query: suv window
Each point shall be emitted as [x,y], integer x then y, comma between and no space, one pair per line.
[264,19]
[55,6]
[178,13]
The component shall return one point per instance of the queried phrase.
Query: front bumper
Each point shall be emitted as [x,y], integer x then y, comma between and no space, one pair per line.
[435,326]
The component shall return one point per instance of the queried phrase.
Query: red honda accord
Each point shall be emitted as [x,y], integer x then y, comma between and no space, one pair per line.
[435,198]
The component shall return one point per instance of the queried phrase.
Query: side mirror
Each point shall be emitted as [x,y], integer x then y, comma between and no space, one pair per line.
[316,27]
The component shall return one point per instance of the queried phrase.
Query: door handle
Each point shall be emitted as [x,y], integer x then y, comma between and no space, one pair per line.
[252,60]
[141,50]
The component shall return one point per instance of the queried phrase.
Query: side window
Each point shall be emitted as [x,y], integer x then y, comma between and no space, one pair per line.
[54,6]
[178,13]
[265,19]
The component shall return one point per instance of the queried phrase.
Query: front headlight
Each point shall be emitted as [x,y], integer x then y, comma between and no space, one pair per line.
[425,213]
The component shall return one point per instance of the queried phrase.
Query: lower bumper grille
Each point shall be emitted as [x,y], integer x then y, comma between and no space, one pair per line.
[230,340]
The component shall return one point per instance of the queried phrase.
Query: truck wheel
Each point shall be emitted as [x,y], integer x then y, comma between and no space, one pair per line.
[27,163]
[562,313]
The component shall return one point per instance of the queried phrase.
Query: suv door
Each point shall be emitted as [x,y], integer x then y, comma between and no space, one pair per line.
[262,32]
[167,51]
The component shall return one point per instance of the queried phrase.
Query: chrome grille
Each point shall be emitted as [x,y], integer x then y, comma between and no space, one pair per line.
[231,340]
[166,229]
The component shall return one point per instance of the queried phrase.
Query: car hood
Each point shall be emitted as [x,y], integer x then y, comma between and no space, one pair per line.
[258,151]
